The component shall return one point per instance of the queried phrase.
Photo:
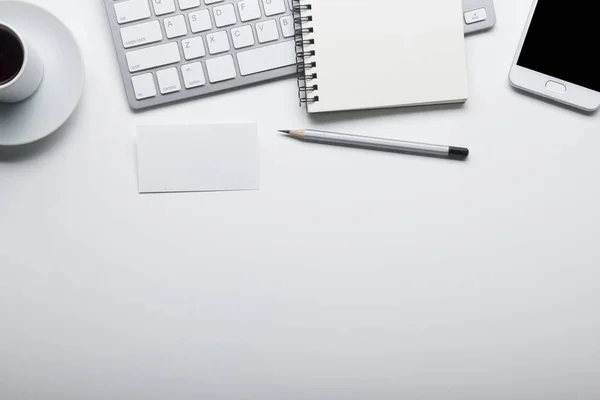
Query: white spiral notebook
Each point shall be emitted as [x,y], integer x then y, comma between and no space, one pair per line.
[362,54]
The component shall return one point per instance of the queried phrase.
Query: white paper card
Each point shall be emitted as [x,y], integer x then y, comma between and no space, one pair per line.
[198,158]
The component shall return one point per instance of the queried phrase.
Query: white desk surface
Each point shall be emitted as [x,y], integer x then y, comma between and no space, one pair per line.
[350,275]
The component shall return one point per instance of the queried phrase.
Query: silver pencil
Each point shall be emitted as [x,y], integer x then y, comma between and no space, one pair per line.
[374,143]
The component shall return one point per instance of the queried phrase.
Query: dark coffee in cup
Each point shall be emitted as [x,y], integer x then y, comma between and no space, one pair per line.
[21,67]
[12,56]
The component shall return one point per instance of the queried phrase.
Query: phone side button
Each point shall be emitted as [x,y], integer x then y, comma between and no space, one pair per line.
[556,87]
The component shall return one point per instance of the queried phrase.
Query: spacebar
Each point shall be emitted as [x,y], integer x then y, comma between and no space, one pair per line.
[267,58]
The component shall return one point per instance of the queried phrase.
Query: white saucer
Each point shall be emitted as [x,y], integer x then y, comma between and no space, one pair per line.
[54,102]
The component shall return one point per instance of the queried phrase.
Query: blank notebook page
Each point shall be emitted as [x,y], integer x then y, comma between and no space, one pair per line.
[387,53]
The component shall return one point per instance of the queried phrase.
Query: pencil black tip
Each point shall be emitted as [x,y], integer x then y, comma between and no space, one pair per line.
[284,131]
[459,152]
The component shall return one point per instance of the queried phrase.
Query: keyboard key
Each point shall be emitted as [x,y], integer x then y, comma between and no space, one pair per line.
[249,10]
[267,58]
[152,57]
[143,86]
[168,80]
[193,48]
[224,15]
[273,7]
[193,75]
[242,36]
[220,69]
[267,31]
[218,42]
[474,16]
[185,4]
[137,35]
[162,7]
[132,10]
[200,21]
[207,2]
[287,26]
[175,26]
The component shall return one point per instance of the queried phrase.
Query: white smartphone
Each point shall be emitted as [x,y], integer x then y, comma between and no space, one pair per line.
[558,53]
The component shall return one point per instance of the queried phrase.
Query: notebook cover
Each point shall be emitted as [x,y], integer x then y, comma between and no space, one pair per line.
[384,53]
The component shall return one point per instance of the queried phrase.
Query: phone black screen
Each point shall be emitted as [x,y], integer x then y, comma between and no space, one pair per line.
[563,42]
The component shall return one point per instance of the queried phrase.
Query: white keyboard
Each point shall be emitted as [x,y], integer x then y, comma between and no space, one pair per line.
[170,50]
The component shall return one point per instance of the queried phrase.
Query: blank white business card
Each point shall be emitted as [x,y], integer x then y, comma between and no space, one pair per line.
[198,158]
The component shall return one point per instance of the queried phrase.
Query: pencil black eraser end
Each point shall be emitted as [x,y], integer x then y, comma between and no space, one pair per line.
[458,152]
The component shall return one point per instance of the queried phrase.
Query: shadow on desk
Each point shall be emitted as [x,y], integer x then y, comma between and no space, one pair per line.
[346,116]
[13,154]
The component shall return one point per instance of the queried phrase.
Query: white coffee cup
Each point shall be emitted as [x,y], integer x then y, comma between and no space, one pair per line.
[22,69]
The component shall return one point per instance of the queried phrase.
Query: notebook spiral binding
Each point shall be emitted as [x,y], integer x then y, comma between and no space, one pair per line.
[305,53]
